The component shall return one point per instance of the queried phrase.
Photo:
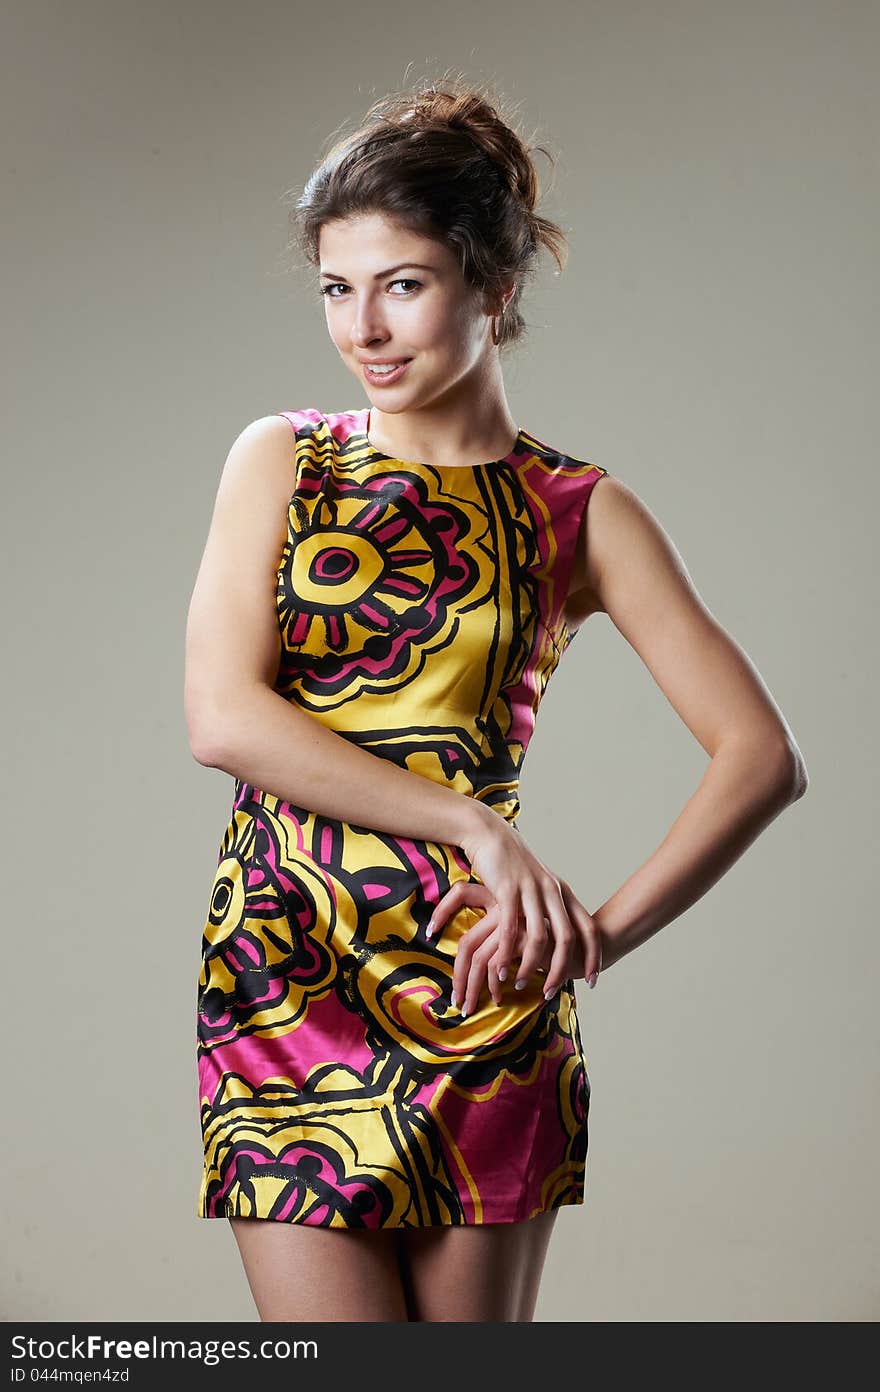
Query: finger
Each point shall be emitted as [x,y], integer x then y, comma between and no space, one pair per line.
[465,949]
[461,893]
[536,935]
[564,937]
[476,977]
[507,907]
[589,933]
[496,989]
[592,950]
[559,969]
[496,962]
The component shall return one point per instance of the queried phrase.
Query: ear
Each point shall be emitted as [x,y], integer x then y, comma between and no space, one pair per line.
[496,303]
[507,295]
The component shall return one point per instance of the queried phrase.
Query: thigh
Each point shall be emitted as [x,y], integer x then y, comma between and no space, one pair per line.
[297,1272]
[484,1271]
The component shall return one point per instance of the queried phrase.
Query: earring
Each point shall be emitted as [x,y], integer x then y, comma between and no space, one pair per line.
[496,337]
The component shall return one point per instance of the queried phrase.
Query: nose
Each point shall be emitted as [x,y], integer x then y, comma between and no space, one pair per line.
[367,325]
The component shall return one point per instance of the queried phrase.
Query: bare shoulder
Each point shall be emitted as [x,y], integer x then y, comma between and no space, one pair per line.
[612,524]
[232,635]
[642,583]
[622,538]
[251,506]
[273,430]
[262,451]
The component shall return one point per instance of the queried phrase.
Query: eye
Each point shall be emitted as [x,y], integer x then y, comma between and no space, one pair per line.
[338,284]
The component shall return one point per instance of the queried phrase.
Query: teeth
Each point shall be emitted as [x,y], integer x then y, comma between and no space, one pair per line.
[383,371]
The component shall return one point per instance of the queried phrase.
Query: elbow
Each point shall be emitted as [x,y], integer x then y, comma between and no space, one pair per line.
[788,770]
[215,720]
[208,710]
[206,753]
[205,749]
[773,764]
[205,740]
[801,779]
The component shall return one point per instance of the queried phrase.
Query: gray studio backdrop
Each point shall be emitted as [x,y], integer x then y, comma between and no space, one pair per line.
[712,343]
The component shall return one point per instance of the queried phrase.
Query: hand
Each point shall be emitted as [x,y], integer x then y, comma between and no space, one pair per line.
[476,956]
[516,885]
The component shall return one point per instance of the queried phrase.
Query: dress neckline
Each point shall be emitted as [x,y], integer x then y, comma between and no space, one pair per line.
[375,453]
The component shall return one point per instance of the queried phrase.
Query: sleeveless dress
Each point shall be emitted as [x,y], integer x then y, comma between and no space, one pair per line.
[421,617]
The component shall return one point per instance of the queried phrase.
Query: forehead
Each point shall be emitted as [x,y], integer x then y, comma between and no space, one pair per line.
[370,241]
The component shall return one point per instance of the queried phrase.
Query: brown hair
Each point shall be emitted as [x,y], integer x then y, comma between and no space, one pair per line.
[441,160]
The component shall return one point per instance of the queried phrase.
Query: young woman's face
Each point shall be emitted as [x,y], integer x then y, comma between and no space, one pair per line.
[390,293]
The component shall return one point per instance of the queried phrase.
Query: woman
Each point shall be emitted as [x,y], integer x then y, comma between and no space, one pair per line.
[390,1065]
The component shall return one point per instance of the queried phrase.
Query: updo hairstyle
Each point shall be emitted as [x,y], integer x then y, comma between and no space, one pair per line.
[441,161]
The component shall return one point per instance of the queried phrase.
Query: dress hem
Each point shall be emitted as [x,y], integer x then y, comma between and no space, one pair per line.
[575,1201]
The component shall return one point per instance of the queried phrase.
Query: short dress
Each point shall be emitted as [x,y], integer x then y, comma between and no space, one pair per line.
[421,617]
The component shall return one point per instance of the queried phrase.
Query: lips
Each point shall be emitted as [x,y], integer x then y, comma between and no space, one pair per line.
[381,378]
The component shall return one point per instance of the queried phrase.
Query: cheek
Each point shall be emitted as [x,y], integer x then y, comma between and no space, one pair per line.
[334,328]
[456,338]
[338,325]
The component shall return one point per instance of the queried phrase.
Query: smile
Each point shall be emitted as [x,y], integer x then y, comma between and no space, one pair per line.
[383,375]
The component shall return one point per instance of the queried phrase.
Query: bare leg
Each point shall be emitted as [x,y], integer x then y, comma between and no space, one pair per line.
[297,1272]
[486,1272]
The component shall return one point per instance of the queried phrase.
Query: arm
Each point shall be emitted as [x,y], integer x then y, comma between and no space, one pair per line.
[235,720]
[637,577]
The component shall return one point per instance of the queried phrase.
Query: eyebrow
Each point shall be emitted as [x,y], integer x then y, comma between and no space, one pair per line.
[403,266]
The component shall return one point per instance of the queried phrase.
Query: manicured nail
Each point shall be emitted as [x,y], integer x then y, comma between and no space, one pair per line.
[463,1011]
[548,995]
[429,928]
[592,978]
[518,986]
[502,975]
[453,999]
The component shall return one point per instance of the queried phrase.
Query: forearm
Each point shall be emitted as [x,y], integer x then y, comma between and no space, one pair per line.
[744,788]
[266,741]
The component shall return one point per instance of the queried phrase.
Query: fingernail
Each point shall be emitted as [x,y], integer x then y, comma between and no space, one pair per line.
[548,995]
[592,978]
[502,975]
[453,999]
[518,986]
[429,928]
[463,1011]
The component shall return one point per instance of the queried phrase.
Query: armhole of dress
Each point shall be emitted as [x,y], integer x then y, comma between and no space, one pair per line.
[289,416]
[583,503]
